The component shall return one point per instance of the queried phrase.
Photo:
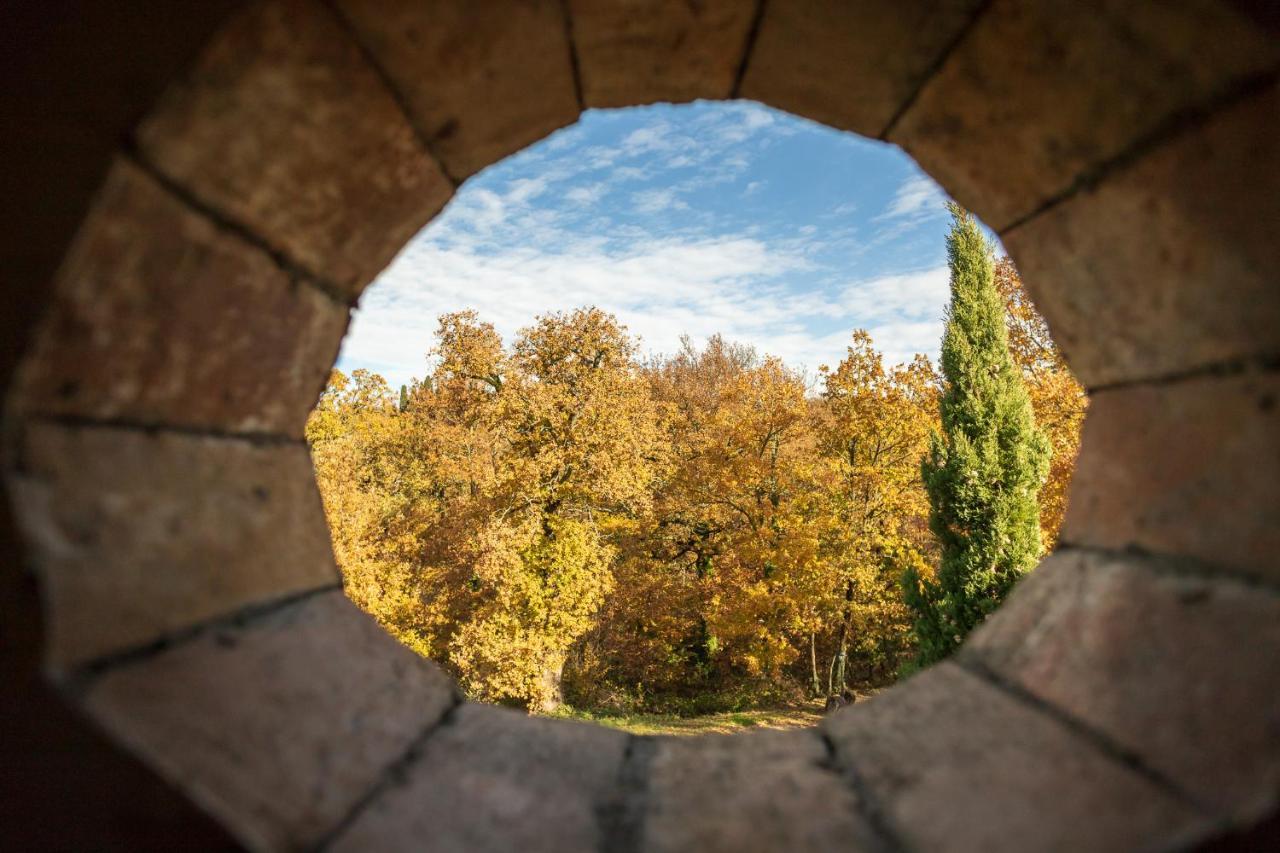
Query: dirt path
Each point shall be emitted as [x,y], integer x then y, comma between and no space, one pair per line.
[726,723]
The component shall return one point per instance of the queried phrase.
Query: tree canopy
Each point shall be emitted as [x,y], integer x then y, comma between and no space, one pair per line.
[558,519]
[984,467]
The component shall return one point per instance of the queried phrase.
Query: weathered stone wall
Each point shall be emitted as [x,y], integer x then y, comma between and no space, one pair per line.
[1125,696]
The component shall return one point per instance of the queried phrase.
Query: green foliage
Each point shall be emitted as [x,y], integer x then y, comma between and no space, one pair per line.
[983,472]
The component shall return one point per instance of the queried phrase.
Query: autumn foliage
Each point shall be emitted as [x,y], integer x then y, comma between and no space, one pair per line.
[557,519]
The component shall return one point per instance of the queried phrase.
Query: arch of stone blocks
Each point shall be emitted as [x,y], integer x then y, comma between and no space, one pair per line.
[1126,154]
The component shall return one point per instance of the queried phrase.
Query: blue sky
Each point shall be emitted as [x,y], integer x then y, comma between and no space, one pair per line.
[692,219]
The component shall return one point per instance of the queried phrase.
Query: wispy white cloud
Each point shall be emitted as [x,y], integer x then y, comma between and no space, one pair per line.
[657,137]
[657,200]
[904,313]
[746,125]
[624,224]
[660,288]
[917,195]
[918,200]
[588,194]
[524,190]
[913,295]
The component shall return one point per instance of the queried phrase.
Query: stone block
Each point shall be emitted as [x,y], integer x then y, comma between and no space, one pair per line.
[1189,468]
[481,80]
[136,535]
[637,52]
[493,779]
[1038,94]
[753,791]
[284,127]
[162,317]
[1172,667]
[852,66]
[953,763]
[1168,264]
[279,726]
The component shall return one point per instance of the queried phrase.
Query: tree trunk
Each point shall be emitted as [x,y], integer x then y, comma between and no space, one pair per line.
[839,667]
[551,687]
[842,648]
[815,685]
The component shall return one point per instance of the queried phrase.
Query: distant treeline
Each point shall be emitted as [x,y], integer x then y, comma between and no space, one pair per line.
[560,520]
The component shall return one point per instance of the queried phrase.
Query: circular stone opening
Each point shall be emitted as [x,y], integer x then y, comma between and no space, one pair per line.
[167,510]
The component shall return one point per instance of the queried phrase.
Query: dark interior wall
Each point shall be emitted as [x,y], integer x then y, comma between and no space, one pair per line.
[75,76]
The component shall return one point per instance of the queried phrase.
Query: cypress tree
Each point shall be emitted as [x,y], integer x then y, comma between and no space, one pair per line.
[984,472]
[404,399]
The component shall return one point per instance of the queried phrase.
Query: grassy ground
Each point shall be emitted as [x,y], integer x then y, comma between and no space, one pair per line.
[727,723]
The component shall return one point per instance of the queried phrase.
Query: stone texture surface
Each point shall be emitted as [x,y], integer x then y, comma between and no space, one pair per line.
[849,65]
[1171,263]
[481,80]
[755,791]
[1038,93]
[954,763]
[160,317]
[637,52]
[1167,665]
[135,535]
[496,780]
[1189,468]
[285,127]
[279,726]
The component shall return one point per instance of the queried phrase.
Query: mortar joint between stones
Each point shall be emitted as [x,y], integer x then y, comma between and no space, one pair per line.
[575,64]
[80,679]
[869,807]
[392,89]
[748,48]
[1101,742]
[1176,566]
[393,775]
[133,152]
[621,817]
[1176,125]
[935,67]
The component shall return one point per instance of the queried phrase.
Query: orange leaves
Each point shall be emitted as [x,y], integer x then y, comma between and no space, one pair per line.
[469,520]
[1058,399]
[686,524]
